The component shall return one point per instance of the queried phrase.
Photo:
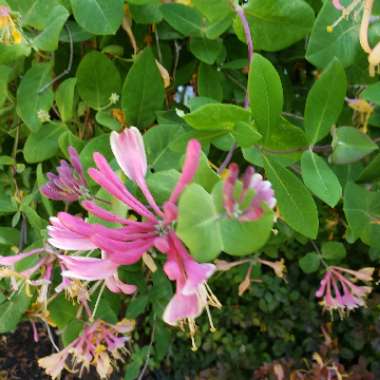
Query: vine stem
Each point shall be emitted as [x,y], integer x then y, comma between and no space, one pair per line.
[248,37]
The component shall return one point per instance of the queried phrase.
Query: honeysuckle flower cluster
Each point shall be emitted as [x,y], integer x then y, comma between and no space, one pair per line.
[9,30]
[100,345]
[340,292]
[254,194]
[127,244]
[70,184]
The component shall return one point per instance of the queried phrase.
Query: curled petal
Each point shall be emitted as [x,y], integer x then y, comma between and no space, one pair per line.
[129,151]
[87,268]
[182,307]
[193,154]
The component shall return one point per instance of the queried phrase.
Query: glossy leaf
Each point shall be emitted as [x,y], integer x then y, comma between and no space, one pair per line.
[265,96]
[184,19]
[216,116]
[342,42]
[320,179]
[143,92]
[43,144]
[296,205]
[324,102]
[29,98]
[197,224]
[98,16]
[64,97]
[350,145]
[276,24]
[97,79]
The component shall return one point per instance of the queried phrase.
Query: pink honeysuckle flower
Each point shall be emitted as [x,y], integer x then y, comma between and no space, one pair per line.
[100,345]
[94,269]
[193,294]
[69,185]
[263,194]
[127,244]
[339,291]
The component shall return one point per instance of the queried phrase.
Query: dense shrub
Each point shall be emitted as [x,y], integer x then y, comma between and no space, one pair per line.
[189,189]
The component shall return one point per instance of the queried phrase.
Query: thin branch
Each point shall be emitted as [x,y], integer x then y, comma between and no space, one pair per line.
[158,46]
[69,66]
[248,37]
[178,48]
[148,353]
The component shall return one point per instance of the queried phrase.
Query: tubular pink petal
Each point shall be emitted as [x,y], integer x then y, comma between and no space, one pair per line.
[11,260]
[129,151]
[122,252]
[101,213]
[113,185]
[87,268]
[193,154]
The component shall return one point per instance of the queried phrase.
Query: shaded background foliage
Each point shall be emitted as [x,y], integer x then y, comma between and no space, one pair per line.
[99,48]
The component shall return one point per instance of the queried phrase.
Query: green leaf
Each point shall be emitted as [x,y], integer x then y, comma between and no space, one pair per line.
[7,204]
[157,145]
[350,145]
[162,183]
[362,210]
[197,224]
[310,262]
[5,72]
[137,306]
[64,97]
[325,101]
[147,13]
[99,144]
[214,9]
[246,134]
[185,20]
[342,43]
[106,119]
[372,171]
[98,16]
[286,137]
[61,311]
[12,311]
[205,176]
[29,100]
[265,96]
[276,24]
[372,93]
[72,331]
[209,82]
[49,19]
[296,205]
[41,180]
[143,92]
[9,236]
[333,251]
[98,78]
[43,144]
[206,50]
[217,116]
[320,179]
